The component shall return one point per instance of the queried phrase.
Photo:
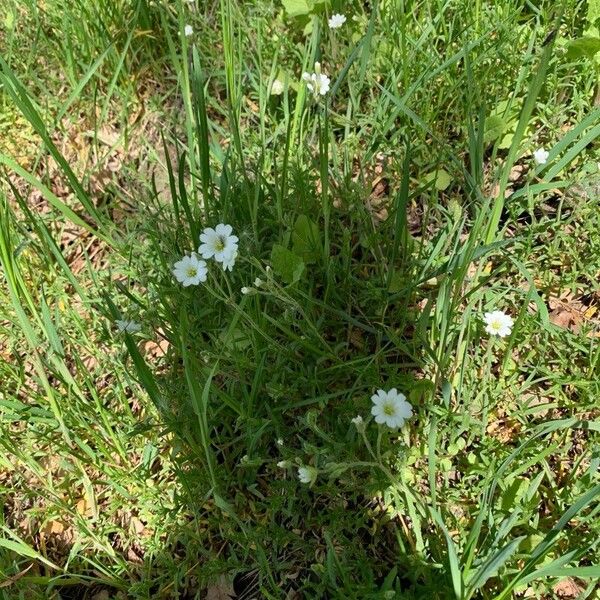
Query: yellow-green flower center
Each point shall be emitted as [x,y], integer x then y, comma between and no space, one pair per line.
[191,272]
[389,409]
[496,325]
[220,243]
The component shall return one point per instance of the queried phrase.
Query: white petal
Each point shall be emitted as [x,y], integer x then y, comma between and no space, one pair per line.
[391,422]
[223,229]
[405,410]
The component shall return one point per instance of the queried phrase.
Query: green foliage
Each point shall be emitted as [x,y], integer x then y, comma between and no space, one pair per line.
[593,11]
[306,240]
[297,8]
[376,225]
[583,47]
[286,264]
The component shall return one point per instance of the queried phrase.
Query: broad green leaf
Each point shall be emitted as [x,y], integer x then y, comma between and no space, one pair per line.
[306,240]
[297,8]
[442,179]
[495,126]
[286,264]
[583,47]
[396,282]
[593,11]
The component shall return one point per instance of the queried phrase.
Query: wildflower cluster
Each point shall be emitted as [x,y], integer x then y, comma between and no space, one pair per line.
[219,244]
[317,82]
[498,323]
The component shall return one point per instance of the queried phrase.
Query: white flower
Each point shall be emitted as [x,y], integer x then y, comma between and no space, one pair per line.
[390,408]
[541,156]
[218,243]
[229,260]
[317,82]
[128,326]
[245,290]
[258,282]
[357,420]
[336,21]
[283,464]
[188,30]
[498,323]
[190,270]
[307,474]
[277,88]
[279,441]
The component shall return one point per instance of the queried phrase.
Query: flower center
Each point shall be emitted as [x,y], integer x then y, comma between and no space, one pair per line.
[389,410]
[220,243]
[191,272]
[496,325]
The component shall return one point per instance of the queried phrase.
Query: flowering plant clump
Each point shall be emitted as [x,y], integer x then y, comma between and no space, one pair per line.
[190,270]
[336,21]
[307,474]
[219,243]
[541,156]
[317,82]
[277,88]
[391,408]
[498,323]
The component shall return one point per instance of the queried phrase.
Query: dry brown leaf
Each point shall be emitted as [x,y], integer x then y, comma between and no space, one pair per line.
[16,577]
[567,588]
[565,318]
[84,507]
[221,590]
[504,430]
[157,349]
[53,528]
[137,526]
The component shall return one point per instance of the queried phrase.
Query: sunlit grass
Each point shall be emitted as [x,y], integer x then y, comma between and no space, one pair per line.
[167,422]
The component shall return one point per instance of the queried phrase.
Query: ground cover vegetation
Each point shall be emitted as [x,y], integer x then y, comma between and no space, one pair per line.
[299,299]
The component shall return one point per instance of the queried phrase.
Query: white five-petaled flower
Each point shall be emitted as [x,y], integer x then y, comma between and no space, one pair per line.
[317,82]
[391,408]
[307,474]
[277,88]
[188,30]
[219,243]
[190,270]
[498,323]
[336,21]
[541,156]
[128,326]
